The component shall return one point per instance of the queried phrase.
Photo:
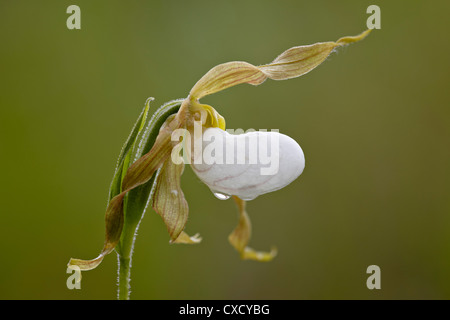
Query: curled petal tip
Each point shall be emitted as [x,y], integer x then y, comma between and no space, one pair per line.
[186,239]
[347,40]
[250,254]
[85,265]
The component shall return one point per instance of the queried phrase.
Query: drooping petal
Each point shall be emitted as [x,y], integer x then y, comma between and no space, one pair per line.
[169,202]
[240,237]
[292,63]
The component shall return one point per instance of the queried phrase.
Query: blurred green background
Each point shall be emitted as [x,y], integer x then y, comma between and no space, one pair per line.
[373,121]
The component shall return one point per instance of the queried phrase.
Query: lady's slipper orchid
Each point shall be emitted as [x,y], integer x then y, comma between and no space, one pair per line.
[146,172]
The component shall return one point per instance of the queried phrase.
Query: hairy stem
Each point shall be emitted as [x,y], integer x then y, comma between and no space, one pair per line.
[124,257]
[123,292]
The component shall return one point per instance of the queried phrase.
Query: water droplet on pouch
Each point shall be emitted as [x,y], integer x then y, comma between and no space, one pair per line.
[220,195]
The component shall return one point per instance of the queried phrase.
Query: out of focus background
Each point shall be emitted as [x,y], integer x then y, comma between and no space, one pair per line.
[373,121]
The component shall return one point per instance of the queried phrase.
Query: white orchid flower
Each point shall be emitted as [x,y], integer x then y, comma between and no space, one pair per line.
[147,174]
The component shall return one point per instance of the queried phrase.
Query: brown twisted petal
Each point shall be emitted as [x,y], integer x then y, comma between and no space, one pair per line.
[292,63]
[240,237]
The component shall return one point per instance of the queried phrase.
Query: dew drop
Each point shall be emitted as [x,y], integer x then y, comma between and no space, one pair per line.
[220,195]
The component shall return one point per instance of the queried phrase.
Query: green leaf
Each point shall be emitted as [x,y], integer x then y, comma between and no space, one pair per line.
[137,199]
[117,178]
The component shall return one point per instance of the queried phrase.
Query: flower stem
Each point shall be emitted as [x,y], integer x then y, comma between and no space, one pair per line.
[124,278]
[124,254]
